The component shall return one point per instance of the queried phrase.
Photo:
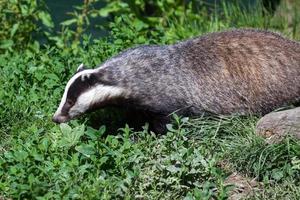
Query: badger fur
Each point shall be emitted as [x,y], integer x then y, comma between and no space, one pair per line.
[232,72]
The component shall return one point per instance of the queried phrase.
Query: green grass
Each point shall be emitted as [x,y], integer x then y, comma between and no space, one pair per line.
[41,160]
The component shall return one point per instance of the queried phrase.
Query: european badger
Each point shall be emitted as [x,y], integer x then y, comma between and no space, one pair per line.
[233,72]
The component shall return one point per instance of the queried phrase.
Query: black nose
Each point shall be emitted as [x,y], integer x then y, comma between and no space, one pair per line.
[59,119]
[55,119]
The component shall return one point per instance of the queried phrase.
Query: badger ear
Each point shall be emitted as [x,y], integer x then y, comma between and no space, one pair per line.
[80,68]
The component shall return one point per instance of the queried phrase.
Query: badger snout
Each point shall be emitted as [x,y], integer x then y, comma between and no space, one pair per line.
[60,119]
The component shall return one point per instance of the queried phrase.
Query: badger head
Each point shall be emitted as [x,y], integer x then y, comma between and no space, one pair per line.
[86,90]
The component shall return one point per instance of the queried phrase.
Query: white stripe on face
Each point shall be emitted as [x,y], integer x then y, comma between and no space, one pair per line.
[99,93]
[70,82]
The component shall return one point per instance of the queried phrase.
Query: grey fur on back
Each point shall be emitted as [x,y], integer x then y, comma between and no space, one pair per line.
[232,72]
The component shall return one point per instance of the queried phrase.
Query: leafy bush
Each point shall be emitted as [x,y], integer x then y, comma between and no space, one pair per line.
[19,22]
[69,162]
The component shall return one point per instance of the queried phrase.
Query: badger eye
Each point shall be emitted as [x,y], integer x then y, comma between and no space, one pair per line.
[70,102]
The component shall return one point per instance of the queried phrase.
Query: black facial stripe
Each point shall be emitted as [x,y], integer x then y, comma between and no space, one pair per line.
[80,86]
[65,109]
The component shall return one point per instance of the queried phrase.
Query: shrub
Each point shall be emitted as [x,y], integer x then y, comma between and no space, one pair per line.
[20,21]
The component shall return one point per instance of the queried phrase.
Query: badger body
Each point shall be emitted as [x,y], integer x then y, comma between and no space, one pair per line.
[233,72]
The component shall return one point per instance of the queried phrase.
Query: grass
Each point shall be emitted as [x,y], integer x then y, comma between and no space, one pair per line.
[41,160]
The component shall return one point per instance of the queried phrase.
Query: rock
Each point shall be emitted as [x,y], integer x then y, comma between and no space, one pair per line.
[274,126]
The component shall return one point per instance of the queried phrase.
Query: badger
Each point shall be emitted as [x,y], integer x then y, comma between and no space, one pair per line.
[242,71]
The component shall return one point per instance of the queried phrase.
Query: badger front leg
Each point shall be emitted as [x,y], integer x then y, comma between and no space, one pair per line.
[138,118]
[158,123]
